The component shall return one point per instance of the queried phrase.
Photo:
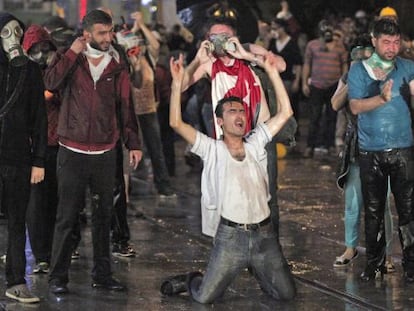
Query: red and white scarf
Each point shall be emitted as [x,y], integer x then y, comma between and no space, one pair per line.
[235,80]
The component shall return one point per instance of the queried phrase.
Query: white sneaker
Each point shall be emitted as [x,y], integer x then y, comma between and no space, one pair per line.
[22,294]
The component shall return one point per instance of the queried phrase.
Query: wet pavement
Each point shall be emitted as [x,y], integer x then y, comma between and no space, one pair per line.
[168,241]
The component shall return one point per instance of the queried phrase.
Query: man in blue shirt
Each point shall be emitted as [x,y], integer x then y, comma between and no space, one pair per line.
[379,95]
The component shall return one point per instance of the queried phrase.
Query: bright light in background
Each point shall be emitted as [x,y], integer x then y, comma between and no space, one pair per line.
[146,2]
[153,8]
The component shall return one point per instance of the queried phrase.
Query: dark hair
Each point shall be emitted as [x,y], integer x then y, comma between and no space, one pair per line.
[219,108]
[55,22]
[363,40]
[385,26]
[282,23]
[222,21]
[96,17]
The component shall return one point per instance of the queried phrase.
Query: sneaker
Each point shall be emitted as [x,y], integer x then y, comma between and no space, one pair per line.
[75,255]
[122,251]
[167,192]
[22,294]
[3,258]
[321,150]
[41,267]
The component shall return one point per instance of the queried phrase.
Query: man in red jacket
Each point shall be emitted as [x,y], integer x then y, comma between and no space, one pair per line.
[95,112]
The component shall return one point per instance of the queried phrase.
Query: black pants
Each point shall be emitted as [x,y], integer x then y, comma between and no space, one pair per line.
[119,225]
[75,171]
[321,133]
[15,191]
[41,211]
[272,172]
[375,168]
[150,130]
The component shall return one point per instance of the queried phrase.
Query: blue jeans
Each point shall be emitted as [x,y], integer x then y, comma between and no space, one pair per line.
[236,249]
[353,205]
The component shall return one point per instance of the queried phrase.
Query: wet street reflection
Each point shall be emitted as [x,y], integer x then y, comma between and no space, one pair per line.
[167,238]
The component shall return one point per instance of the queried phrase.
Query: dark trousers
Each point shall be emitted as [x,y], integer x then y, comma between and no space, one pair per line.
[15,191]
[41,211]
[375,167]
[119,226]
[167,137]
[321,133]
[75,171]
[272,172]
[150,130]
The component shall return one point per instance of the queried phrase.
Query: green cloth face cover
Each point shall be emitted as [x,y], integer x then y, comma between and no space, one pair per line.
[375,63]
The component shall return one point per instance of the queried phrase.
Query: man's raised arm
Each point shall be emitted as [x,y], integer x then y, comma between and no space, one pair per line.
[176,122]
[199,67]
[284,110]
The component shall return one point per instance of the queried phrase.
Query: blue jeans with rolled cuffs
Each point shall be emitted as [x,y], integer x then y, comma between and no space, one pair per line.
[236,249]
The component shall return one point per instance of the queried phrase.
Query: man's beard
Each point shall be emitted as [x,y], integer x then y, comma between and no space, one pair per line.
[96,46]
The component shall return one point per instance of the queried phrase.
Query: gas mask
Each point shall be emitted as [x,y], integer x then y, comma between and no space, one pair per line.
[327,36]
[325,31]
[219,44]
[41,53]
[11,35]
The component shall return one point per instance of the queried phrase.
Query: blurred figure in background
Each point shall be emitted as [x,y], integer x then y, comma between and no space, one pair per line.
[284,45]
[146,103]
[41,211]
[324,64]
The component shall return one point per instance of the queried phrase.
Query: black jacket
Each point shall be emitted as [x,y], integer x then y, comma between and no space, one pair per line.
[23,126]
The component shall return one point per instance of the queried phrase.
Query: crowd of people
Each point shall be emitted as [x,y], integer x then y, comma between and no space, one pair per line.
[80,109]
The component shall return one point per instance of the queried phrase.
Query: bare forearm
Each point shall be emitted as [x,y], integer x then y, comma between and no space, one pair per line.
[338,100]
[363,105]
[305,74]
[176,121]
[189,73]
[175,105]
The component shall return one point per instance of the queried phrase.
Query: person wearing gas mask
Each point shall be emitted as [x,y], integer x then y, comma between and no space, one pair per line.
[324,64]
[95,112]
[232,69]
[41,213]
[22,147]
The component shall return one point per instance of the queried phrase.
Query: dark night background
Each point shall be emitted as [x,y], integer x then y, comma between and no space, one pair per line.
[307,12]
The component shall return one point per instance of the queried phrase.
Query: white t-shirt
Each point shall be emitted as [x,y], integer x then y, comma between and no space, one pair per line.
[215,156]
[245,191]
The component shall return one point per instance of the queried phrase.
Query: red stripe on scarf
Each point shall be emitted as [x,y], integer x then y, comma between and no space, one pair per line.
[245,88]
